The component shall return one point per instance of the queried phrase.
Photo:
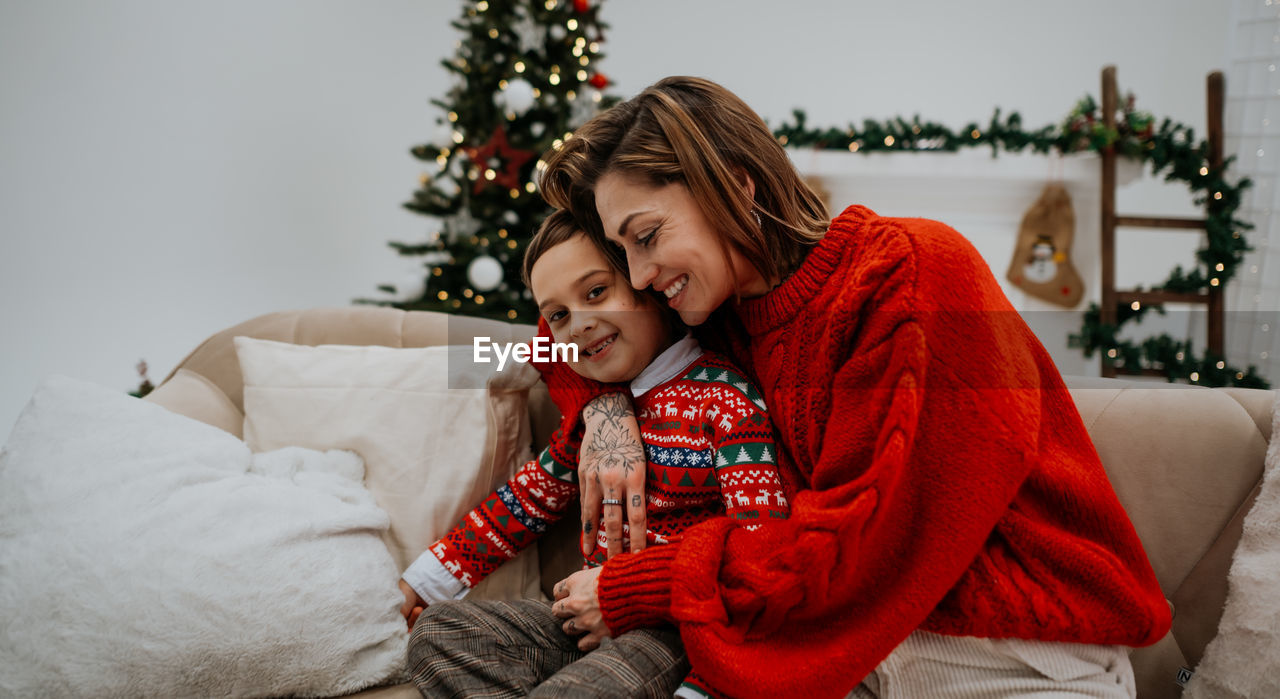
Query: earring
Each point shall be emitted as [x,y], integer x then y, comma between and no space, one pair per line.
[755,213]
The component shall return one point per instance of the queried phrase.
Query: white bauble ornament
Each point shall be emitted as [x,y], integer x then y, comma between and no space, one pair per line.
[484,273]
[511,217]
[519,96]
[537,128]
[411,287]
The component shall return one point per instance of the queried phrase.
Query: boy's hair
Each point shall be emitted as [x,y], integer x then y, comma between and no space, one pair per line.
[555,229]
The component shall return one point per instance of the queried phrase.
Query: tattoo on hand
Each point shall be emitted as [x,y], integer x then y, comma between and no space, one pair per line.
[612,407]
[635,500]
[586,527]
[611,438]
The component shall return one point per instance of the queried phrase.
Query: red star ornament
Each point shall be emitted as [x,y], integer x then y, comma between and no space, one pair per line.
[508,174]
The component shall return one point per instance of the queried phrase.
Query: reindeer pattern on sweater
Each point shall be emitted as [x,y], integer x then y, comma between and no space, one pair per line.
[710,452]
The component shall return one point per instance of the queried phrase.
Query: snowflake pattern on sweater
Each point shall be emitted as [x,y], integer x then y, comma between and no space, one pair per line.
[710,452]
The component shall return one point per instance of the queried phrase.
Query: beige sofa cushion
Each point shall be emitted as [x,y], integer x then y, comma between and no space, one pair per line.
[190,394]
[1184,461]
[1244,658]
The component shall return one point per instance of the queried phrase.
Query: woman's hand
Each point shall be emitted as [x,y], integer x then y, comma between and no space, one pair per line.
[413,604]
[611,466]
[576,601]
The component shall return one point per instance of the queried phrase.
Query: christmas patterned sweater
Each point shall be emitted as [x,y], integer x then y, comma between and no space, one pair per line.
[710,452]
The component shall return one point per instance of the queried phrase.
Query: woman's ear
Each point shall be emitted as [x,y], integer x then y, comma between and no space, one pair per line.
[745,181]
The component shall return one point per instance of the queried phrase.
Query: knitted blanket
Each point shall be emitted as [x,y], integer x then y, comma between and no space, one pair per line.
[1244,659]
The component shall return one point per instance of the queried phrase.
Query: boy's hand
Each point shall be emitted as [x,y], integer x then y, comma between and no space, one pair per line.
[413,604]
[612,465]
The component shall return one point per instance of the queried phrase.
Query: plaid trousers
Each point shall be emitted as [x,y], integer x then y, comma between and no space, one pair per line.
[518,649]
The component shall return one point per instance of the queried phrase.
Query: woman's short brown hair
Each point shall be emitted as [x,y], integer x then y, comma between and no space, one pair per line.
[697,133]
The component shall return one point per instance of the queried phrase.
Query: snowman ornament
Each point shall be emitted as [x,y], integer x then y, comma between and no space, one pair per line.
[1043,265]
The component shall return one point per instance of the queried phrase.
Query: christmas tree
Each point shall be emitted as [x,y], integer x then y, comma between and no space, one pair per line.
[524,77]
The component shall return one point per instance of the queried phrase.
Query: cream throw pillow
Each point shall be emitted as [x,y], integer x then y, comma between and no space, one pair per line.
[437,432]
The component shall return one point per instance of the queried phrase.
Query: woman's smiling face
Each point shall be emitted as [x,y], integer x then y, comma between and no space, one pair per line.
[671,246]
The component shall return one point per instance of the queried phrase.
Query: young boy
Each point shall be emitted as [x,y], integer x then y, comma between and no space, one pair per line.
[708,441]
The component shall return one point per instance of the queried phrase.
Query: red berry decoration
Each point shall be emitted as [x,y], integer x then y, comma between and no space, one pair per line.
[598,81]
[581,5]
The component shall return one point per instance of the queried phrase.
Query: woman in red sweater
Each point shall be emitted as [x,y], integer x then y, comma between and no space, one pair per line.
[953,532]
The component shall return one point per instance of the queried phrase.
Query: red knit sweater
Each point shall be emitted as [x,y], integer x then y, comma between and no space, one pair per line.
[945,480]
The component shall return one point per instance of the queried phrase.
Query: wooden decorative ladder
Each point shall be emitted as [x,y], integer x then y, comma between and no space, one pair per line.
[1112,297]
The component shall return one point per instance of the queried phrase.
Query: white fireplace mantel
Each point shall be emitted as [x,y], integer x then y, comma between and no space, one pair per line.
[984,198]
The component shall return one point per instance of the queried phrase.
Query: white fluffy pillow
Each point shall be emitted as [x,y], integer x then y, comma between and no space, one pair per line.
[143,553]
[437,431]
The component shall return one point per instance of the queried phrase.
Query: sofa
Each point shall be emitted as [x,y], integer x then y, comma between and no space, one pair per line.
[1186,462]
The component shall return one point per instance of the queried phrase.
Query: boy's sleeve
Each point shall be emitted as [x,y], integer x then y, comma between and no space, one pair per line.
[746,454]
[569,390]
[506,522]
[432,581]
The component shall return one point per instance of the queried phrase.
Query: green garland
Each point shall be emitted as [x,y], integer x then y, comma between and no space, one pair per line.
[1171,150]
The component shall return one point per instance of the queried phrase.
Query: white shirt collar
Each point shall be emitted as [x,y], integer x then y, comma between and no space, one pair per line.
[667,365]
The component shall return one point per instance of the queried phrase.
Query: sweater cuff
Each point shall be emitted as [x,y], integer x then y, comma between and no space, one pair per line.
[634,589]
[432,581]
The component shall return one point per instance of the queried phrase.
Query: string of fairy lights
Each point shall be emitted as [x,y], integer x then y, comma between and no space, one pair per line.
[1172,151]
[526,78]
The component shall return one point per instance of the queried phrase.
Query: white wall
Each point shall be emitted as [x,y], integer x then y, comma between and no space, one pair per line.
[170,168]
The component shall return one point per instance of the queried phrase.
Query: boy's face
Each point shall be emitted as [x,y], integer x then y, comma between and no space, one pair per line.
[589,304]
